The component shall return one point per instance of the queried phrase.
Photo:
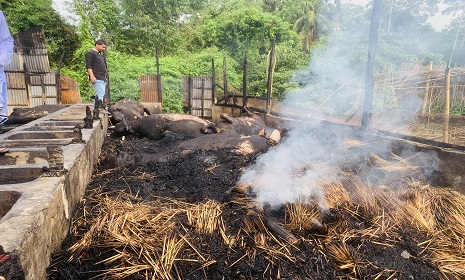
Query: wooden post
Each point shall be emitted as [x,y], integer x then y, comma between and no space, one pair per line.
[213,81]
[106,97]
[44,92]
[244,82]
[27,79]
[189,93]
[225,82]
[269,88]
[281,231]
[445,135]
[202,105]
[159,87]
[426,98]
[58,79]
[369,80]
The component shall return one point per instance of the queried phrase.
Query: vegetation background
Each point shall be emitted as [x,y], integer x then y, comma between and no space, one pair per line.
[188,34]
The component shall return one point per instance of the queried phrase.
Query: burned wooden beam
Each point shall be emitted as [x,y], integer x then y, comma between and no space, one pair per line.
[276,228]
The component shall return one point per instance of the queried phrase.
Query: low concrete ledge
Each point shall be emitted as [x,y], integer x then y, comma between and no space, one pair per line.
[37,223]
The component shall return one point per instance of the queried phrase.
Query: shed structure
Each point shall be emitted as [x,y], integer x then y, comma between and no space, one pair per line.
[30,82]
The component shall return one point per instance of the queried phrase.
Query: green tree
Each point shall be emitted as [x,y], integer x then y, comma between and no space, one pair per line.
[305,25]
[138,26]
[308,17]
[61,39]
[250,31]
[242,28]
[407,16]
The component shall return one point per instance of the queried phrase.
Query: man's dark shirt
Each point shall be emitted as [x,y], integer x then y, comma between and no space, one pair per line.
[94,61]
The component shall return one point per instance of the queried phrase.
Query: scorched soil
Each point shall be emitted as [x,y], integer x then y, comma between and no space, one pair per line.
[147,170]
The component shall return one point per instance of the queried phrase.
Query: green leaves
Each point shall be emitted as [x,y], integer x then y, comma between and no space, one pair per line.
[61,38]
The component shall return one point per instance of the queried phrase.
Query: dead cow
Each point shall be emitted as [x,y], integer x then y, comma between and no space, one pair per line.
[247,126]
[127,110]
[26,115]
[154,126]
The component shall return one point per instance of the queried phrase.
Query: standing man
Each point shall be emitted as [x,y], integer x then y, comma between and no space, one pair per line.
[97,70]
[6,49]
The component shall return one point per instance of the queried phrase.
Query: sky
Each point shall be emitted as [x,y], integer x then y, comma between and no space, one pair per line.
[438,22]
[61,7]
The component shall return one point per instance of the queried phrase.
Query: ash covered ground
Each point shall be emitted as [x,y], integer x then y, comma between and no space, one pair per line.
[213,229]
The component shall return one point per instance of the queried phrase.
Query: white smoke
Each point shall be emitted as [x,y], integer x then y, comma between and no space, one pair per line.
[291,171]
[313,153]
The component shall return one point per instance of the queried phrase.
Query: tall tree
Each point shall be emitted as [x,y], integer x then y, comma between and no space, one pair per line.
[306,16]
[242,28]
[305,25]
[61,38]
[138,26]
[99,18]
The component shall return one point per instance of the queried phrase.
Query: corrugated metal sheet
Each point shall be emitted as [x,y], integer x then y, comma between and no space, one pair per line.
[18,96]
[149,88]
[197,95]
[30,52]
[29,80]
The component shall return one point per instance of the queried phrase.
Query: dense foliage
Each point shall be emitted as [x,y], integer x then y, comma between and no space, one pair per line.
[62,40]
[321,45]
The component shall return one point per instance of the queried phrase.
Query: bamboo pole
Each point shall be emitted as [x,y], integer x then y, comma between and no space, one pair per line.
[426,97]
[445,136]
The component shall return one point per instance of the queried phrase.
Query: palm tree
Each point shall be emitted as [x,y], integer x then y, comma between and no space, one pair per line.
[306,24]
[310,18]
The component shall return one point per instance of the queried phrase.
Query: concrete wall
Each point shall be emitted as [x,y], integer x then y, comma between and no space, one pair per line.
[39,221]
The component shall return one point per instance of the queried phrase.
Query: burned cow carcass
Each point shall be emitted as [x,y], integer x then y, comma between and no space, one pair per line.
[154,126]
[127,110]
[248,125]
[26,115]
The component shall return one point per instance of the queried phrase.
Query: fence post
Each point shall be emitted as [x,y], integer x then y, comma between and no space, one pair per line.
[202,105]
[58,79]
[244,83]
[159,87]
[213,81]
[189,92]
[426,98]
[270,71]
[369,80]
[445,135]
[225,81]
[107,96]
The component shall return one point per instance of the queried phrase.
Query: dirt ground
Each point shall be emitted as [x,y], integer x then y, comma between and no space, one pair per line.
[212,230]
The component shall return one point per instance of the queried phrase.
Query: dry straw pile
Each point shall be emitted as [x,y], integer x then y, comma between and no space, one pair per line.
[154,238]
